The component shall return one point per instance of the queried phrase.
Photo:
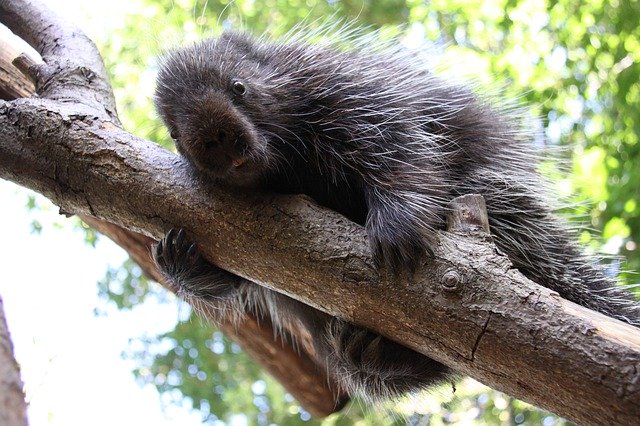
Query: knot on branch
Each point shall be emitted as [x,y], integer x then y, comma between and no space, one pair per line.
[452,281]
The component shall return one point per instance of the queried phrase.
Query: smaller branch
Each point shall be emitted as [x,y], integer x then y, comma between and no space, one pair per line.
[13,408]
[13,84]
[27,66]
[468,213]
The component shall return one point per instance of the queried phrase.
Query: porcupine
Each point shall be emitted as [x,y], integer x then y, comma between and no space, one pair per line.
[366,129]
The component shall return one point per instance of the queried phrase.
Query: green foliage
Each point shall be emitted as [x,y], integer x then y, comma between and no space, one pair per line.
[197,363]
[576,63]
[475,403]
[126,286]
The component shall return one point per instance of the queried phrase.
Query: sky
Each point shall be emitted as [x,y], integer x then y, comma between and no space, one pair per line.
[70,359]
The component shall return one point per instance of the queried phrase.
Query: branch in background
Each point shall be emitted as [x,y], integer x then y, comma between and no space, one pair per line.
[467,308]
[13,83]
[73,69]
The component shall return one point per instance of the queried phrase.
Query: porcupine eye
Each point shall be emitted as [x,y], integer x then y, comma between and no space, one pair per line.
[239,88]
[174,135]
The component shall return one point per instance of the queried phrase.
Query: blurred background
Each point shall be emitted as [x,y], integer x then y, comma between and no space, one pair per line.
[126,352]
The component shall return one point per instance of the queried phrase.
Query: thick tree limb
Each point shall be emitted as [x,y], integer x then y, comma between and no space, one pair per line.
[467,307]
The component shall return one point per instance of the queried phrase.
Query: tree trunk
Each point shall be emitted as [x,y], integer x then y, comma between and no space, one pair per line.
[467,307]
[13,408]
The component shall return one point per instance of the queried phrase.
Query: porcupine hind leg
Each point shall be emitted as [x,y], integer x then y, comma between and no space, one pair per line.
[375,367]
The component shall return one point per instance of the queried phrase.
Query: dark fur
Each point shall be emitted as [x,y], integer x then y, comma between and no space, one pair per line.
[379,138]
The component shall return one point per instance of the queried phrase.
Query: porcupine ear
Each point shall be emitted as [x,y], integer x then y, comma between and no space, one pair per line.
[244,43]
[241,41]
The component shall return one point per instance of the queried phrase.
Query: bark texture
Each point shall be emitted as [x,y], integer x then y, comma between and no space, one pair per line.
[467,307]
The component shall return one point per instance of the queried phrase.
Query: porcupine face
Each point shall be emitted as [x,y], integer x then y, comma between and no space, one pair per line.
[209,97]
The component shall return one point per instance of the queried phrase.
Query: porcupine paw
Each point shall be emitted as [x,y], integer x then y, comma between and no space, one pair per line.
[398,247]
[376,367]
[181,263]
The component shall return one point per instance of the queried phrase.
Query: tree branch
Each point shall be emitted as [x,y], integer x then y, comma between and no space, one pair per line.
[12,83]
[72,70]
[467,307]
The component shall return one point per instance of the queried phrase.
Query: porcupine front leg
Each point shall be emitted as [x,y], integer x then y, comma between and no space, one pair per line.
[401,228]
[211,290]
[220,295]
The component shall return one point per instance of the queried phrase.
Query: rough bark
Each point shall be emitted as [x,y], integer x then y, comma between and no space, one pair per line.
[13,408]
[467,307]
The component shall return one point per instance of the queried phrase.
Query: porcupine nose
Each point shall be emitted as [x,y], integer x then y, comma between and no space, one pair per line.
[217,138]
[226,143]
